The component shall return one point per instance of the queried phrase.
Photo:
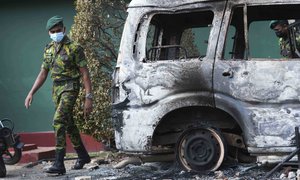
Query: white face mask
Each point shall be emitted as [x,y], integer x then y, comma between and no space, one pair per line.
[57,37]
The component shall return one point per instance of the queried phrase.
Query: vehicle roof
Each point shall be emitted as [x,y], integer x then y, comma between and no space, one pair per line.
[174,3]
[164,3]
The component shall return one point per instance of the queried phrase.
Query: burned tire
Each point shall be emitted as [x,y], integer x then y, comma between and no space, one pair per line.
[2,168]
[201,149]
[12,157]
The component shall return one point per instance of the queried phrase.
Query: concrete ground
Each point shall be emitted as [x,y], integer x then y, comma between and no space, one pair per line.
[35,170]
[19,171]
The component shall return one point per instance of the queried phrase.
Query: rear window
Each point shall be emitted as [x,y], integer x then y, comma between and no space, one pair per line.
[178,36]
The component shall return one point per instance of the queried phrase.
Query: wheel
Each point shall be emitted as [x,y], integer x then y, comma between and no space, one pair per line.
[2,168]
[200,149]
[13,156]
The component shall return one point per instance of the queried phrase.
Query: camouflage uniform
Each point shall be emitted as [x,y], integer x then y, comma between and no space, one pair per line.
[63,60]
[285,48]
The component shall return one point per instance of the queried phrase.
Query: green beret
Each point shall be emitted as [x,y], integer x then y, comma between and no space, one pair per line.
[274,23]
[53,21]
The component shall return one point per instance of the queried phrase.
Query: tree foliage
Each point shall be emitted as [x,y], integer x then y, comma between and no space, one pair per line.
[98,25]
[188,41]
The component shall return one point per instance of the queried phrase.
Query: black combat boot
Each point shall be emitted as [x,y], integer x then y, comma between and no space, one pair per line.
[83,157]
[58,166]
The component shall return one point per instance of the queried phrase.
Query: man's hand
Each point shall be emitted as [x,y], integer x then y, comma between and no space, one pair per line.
[88,107]
[41,78]
[28,100]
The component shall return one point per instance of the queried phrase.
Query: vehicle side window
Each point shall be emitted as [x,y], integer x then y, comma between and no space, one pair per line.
[229,43]
[151,36]
[262,41]
[235,39]
[179,36]
[195,40]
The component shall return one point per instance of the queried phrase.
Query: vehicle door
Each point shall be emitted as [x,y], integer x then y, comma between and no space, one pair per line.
[180,48]
[252,81]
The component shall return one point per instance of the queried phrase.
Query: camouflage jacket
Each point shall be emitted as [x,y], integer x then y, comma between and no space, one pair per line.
[63,60]
[285,48]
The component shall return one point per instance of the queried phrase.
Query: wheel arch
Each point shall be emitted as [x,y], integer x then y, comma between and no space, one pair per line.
[238,111]
[176,121]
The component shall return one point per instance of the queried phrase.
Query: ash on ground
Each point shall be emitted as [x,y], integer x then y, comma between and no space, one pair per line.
[151,171]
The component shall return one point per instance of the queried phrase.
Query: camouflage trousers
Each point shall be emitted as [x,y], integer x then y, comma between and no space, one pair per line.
[64,96]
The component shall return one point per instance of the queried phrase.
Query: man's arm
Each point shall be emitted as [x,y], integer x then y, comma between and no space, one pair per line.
[88,105]
[41,78]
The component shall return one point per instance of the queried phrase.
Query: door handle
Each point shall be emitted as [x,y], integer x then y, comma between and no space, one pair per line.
[228,73]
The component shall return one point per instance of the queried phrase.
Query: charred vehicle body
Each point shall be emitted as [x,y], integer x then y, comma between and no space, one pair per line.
[205,78]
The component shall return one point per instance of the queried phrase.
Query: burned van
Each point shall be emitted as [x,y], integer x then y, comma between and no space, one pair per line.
[205,79]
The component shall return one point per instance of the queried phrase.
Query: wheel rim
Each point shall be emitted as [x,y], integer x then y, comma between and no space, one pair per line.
[201,149]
